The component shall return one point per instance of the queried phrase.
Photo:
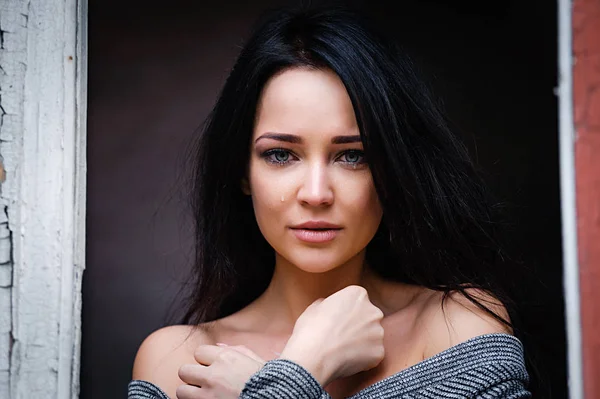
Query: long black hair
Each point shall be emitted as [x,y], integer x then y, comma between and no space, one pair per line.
[438,228]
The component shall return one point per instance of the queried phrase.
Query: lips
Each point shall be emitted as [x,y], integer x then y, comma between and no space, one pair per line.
[317,225]
[316,231]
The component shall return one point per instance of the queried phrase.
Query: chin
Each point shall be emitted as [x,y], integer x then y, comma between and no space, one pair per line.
[316,261]
[316,268]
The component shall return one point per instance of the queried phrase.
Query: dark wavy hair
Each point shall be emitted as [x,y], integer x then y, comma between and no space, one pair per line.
[438,228]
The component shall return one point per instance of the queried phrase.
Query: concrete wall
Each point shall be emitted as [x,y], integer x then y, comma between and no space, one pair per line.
[154,73]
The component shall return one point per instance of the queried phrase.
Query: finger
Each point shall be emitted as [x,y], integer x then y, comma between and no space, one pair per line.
[315,303]
[206,354]
[188,392]
[193,374]
[318,301]
[247,352]
[353,290]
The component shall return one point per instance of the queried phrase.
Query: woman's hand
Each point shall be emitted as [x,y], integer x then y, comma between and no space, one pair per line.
[338,336]
[221,372]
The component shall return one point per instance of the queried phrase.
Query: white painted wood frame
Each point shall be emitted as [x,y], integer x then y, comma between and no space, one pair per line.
[567,199]
[43,80]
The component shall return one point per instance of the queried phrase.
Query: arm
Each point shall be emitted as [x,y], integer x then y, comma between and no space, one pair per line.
[278,379]
[283,379]
[159,357]
[333,338]
[495,370]
[144,390]
[237,372]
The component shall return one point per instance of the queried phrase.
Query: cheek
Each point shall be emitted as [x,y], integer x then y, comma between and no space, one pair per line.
[361,200]
[270,195]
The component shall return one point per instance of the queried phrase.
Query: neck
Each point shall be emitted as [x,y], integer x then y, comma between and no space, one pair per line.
[292,290]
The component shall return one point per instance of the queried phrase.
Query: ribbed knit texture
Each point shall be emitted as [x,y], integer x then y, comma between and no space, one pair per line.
[486,367]
[145,390]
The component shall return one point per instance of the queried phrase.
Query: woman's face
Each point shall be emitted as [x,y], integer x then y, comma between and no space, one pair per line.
[312,190]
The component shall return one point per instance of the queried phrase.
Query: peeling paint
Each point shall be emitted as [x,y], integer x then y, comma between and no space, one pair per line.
[42,196]
[7,159]
[5,251]
[2,173]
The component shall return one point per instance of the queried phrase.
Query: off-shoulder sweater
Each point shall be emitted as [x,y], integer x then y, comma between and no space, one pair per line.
[489,366]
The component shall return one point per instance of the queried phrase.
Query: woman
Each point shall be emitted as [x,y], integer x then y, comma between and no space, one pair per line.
[326,170]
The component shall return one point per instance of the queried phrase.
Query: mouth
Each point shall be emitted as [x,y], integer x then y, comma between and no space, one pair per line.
[316,232]
[317,225]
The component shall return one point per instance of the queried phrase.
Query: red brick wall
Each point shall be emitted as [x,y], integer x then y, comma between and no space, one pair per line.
[586,92]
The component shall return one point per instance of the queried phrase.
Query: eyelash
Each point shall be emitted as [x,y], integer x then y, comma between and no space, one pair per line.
[267,155]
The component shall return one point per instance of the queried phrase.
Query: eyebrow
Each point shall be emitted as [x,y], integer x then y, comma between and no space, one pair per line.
[291,138]
[346,139]
[288,138]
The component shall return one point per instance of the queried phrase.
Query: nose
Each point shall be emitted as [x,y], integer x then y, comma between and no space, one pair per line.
[316,189]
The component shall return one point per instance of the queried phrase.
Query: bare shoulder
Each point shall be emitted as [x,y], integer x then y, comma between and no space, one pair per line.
[164,351]
[450,320]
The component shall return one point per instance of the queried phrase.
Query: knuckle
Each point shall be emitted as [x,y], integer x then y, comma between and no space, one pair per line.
[227,356]
[359,289]
[380,353]
[183,371]
[379,334]
[199,351]
[359,294]
[354,289]
[376,316]
[220,358]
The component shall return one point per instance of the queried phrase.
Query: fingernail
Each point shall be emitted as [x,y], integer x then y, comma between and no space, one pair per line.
[221,344]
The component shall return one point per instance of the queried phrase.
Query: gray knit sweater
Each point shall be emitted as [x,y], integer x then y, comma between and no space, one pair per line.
[489,366]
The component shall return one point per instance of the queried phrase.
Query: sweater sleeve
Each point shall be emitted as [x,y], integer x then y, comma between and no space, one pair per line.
[283,379]
[138,389]
[506,390]
[278,379]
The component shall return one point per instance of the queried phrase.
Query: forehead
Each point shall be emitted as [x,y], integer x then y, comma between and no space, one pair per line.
[302,100]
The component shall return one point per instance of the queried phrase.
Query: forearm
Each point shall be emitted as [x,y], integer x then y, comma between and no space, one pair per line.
[283,379]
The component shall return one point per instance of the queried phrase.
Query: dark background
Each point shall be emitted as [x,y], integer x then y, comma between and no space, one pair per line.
[154,72]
